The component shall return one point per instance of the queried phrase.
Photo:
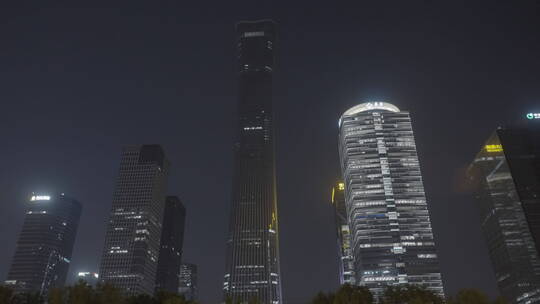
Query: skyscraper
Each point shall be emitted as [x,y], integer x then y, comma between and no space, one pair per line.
[345,258]
[392,240]
[131,250]
[506,179]
[45,244]
[188,281]
[252,261]
[172,239]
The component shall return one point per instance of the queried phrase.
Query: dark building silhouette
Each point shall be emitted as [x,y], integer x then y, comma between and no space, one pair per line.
[252,261]
[132,241]
[188,281]
[172,239]
[45,244]
[506,178]
[345,257]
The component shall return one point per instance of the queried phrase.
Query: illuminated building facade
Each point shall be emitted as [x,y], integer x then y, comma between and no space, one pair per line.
[252,262]
[505,176]
[132,241]
[391,236]
[172,239]
[345,258]
[91,278]
[45,244]
[188,281]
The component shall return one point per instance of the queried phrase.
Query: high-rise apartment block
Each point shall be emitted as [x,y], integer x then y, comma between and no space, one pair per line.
[252,261]
[172,239]
[391,237]
[505,176]
[132,241]
[345,257]
[45,244]
[188,281]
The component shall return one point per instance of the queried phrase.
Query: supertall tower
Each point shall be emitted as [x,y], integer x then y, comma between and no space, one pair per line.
[391,236]
[132,242]
[252,265]
[45,244]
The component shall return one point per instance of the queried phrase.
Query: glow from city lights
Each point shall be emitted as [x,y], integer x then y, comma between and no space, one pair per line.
[86,273]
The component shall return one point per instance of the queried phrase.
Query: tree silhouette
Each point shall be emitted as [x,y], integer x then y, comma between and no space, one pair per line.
[410,294]
[469,296]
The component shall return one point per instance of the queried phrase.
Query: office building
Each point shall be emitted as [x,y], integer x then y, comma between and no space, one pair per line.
[345,258]
[132,241]
[252,260]
[90,278]
[505,176]
[391,236]
[45,244]
[188,281]
[172,239]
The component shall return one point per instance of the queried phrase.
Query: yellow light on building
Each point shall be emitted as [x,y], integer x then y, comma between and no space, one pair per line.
[341,186]
[493,148]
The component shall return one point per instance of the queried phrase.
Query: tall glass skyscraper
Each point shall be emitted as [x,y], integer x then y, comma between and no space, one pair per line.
[132,241]
[172,241]
[252,261]
[45,244]
[391,236]
[345,258]
[506,178]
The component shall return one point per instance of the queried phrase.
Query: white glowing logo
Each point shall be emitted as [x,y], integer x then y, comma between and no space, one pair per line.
[40,198]
[368,106]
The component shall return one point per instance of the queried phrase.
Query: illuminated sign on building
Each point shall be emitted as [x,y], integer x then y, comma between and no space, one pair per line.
[40,198]
[341,186]
[493,148]
[253,34]
[533,115]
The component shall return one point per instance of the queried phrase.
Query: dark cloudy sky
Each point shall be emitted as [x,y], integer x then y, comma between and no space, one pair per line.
[77,83]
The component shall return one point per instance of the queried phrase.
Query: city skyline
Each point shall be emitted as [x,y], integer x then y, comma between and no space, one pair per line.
[80,82]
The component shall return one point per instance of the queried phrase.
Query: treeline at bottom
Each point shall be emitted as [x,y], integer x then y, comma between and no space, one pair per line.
[406,294]
[82,293]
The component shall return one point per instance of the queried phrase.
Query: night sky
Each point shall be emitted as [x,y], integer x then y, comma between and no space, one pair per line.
[77,83]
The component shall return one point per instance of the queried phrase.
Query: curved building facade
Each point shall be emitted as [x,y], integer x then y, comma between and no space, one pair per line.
[252,262]
[391,237]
